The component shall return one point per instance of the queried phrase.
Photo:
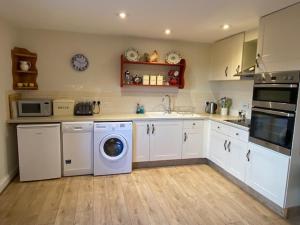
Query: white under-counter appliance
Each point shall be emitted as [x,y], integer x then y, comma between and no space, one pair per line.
[77,148]
[39,150]
[35,107]
[112,148]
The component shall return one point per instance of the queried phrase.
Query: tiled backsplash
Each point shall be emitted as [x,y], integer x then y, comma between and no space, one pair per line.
[239,91]
[126,100]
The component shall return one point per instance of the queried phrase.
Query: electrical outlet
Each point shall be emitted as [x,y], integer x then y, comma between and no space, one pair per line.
[245,106]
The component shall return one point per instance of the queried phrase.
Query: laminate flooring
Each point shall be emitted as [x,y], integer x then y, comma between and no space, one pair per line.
[181,195]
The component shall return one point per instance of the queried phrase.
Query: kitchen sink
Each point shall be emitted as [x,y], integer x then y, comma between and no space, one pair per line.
[171,115]
[162,115]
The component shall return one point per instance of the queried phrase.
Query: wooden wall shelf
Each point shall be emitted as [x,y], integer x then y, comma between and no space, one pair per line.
[26,78]
[30,72]
[154,86]
[180,67]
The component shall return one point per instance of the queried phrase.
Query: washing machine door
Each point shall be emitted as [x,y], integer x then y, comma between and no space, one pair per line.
[113,147]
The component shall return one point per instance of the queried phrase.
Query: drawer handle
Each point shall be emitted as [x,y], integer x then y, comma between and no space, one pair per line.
[228,146]
[225,143]
[218,127]
[194,124]
[248,155]
[237,134]
[148,129]
[185,136]
[153,128]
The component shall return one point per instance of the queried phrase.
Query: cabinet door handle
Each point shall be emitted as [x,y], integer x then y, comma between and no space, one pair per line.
[185,136]
[226,71]
[256,60]
[225,143]
[153,128]
[248,155]
[238,69]
[148,128]
[228,146]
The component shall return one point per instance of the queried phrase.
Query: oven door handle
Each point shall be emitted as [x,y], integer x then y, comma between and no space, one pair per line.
[278,113]
[276,85]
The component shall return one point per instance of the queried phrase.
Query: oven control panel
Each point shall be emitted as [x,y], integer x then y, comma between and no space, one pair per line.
[289,77]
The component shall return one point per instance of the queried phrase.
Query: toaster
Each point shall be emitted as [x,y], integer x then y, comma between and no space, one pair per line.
[83,109]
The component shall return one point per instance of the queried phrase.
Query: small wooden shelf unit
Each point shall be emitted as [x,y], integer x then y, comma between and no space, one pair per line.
[24,77]
[180,67]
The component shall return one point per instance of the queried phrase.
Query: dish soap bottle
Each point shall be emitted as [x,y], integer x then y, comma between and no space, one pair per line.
[142,109]
[138,108]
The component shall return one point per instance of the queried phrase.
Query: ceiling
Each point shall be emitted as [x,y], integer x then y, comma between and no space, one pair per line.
[190,20]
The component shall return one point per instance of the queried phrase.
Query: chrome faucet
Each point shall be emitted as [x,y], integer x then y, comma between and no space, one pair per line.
[168,110]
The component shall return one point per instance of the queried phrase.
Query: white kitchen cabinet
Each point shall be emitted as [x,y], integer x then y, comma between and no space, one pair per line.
[157,140]
[168,140]
[193,139]
[237,158]
[267,173]
[278,43]
[227,57]
[141,147]
[218,143]
[228,149]
[165,140]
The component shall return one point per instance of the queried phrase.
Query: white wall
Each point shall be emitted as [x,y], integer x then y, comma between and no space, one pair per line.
[101,81]
[8,152]
[239,91]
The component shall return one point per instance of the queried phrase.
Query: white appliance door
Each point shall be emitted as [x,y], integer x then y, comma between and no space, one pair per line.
[113,147]
[39,151]
[77,148]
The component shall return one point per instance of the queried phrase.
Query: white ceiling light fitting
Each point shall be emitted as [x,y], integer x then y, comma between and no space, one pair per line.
[167,31]
[122,15]
[225,26]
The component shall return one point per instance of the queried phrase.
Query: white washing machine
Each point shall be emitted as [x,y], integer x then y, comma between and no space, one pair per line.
[112,148]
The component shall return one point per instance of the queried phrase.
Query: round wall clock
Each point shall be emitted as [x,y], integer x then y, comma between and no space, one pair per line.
[79,62]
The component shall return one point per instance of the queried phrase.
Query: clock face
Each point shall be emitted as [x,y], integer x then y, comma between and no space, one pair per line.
[79,62]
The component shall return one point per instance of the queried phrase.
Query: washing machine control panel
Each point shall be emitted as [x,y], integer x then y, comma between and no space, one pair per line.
[113,126]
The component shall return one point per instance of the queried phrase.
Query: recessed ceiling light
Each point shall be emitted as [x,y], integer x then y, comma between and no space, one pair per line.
[122,15]
[167,31]
[225,26]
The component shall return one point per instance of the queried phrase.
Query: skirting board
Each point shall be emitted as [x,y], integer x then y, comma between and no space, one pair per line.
[175,162]
[4,182]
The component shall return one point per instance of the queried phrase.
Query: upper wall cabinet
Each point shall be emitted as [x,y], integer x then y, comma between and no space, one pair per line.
[227,58]
[278,43]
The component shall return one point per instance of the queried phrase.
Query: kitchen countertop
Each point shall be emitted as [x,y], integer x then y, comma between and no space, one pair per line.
[126,117]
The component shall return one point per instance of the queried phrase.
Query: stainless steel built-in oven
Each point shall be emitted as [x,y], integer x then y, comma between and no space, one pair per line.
[273,129]
[274,107]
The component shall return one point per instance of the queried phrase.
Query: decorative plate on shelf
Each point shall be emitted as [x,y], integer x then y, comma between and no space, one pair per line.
[79,62]
[132,55]
[173,57]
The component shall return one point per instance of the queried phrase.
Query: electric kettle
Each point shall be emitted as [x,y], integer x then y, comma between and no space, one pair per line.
[211,107]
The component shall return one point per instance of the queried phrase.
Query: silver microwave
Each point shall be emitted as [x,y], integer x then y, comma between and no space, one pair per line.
[37,107]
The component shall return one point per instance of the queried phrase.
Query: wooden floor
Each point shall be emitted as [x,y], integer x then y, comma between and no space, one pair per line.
[172,195]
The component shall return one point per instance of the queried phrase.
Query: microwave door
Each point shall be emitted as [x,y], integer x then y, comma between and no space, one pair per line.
[30,109]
